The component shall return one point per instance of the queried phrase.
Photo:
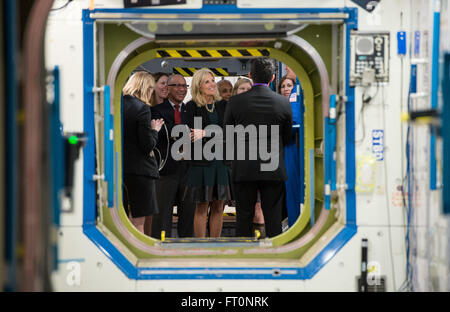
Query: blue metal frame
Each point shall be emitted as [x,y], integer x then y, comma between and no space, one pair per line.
[350,159]
[434,91]
[109,147]
[148,273]
[89,202]
[111,251]
[329,161]
[57,158]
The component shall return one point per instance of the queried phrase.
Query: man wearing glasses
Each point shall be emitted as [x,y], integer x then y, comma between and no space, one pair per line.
[171,185]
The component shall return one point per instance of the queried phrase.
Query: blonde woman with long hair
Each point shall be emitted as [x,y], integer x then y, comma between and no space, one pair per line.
[242,85]
[140,135]
[208,180]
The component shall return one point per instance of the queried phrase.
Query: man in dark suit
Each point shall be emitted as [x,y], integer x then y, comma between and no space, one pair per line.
[257,107]
[171,185]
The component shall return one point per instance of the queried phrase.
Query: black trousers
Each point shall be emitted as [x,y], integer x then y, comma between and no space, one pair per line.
[169,192]
[272,202]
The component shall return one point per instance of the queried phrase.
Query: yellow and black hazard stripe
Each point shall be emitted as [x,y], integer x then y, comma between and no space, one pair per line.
[189,71]
[196,53]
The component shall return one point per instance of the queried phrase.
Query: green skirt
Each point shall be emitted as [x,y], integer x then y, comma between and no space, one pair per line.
[208,183]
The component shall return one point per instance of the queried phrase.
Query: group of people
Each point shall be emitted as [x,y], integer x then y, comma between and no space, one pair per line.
[154,182]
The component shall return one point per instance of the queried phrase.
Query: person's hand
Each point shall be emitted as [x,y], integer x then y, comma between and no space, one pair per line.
[197,134]
[157,124]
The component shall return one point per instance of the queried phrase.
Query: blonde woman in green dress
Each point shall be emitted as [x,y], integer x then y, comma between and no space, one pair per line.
[208,180]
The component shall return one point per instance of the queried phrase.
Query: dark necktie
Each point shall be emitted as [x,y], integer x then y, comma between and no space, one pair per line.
[177,115]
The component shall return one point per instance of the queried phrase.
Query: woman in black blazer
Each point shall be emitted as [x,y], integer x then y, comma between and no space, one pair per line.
[208,180]
[140,135]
